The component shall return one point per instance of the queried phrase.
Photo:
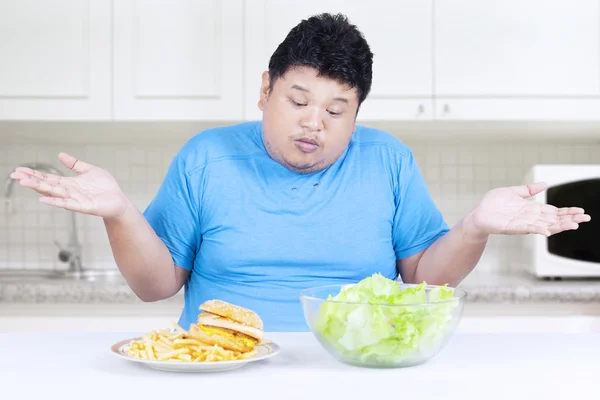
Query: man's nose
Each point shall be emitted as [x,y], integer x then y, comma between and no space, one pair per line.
[312,120]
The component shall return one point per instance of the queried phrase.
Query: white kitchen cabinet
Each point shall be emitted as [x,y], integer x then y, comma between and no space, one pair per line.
[192,60]
[514,59]
[399,34]
[55,60]
[178,60]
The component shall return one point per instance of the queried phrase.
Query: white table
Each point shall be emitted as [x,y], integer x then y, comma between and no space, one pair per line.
[472,366]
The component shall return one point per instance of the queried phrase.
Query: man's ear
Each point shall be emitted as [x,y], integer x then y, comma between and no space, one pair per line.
[264,90]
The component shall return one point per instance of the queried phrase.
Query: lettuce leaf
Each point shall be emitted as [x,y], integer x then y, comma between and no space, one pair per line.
[379,334]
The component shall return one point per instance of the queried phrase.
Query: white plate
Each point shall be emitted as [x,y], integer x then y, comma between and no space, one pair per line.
[264,350]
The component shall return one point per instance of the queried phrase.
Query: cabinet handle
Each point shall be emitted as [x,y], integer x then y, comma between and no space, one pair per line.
[446,108]
[421,108]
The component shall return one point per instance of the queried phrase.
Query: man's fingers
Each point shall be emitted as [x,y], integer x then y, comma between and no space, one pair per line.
[564,226]
[548,227]
[30,175]
[535,228]
[65,194]
[576,214]
[567,223]
[531,189]
[47,178]
[557,224]
[67,204]
[74,164]
[24,171]
[20,175]
[579,218]
[46,188]
[570,211]
[78,202]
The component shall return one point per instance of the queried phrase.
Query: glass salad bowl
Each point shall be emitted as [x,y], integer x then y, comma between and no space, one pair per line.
[381,323]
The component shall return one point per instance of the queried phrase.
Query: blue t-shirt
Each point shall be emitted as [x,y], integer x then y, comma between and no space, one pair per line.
[255,233]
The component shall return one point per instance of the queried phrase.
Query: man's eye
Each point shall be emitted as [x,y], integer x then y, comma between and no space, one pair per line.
[334,113]
[297,104]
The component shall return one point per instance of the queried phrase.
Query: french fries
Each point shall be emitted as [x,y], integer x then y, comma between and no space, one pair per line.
[181,345]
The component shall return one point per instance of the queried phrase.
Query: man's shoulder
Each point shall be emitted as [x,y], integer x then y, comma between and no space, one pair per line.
[225,138]
[377,141]
[221,143]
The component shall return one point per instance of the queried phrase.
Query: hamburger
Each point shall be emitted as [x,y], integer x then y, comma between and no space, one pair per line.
[227,325]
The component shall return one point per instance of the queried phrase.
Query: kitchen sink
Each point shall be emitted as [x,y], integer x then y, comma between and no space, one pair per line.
[45,276]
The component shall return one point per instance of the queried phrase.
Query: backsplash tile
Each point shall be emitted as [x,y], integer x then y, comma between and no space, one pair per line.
[458,175]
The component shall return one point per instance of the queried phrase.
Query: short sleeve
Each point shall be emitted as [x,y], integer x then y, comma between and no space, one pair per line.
[174,214]
[417,220]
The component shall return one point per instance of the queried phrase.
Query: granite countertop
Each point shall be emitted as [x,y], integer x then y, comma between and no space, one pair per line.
[524,288]
[508,288]
[59,291]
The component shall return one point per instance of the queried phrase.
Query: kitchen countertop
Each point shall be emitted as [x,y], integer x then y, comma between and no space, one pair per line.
[481,289]
[472,366]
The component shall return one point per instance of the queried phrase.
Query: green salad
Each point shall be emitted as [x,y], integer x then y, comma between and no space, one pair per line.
[377,333]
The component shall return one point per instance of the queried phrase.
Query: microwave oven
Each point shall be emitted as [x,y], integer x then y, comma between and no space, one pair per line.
[568,254]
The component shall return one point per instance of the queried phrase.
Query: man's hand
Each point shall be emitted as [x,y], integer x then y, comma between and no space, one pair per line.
[508,211]
[93,191]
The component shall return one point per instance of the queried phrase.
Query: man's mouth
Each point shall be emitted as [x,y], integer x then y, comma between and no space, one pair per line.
[306,145]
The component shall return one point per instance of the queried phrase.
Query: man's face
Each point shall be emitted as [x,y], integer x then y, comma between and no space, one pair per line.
[308,121]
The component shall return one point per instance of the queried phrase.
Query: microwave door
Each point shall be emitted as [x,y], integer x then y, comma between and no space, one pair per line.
[582,244]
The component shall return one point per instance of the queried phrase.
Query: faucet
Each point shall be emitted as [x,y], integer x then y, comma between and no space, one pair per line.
[70,253]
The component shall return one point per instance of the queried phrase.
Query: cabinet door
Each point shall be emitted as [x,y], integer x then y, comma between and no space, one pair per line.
[399,34]
[178,60]
[515,59]
[55,60]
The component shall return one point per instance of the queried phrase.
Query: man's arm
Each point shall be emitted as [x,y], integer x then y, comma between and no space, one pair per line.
[449,259]
[506,210]
[143,258]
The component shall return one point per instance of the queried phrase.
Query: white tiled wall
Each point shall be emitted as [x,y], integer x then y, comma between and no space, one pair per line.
[458,174]
[29,229]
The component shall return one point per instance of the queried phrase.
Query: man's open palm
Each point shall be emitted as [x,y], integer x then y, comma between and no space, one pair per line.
[507,210]
[93,191]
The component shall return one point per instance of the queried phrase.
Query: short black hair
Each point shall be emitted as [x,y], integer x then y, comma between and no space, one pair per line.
[330,44]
